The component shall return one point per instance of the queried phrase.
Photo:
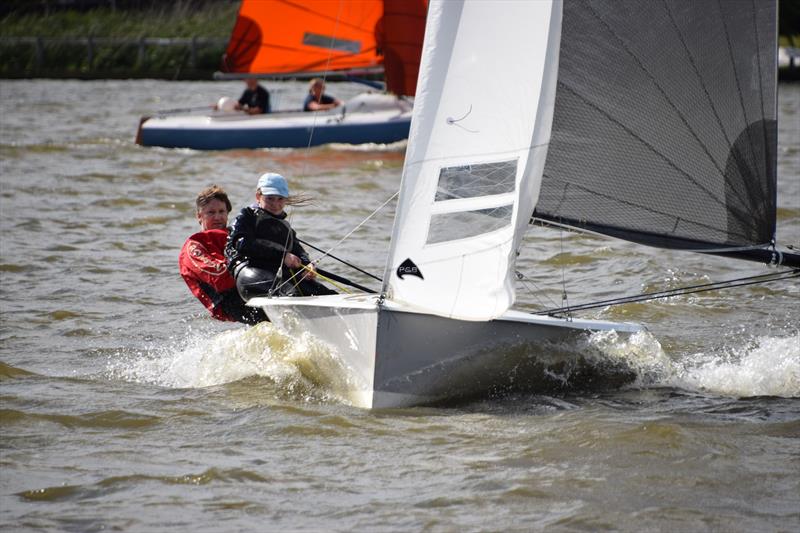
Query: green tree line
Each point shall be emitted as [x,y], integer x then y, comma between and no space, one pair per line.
[51,57]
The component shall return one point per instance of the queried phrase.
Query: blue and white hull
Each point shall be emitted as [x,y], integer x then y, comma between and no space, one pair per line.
[380,119]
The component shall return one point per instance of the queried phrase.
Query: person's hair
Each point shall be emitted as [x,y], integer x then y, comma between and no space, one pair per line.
[314,82]
[214,192]
[298,200]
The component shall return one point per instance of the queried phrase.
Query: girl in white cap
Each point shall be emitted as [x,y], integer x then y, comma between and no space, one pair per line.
[263,252]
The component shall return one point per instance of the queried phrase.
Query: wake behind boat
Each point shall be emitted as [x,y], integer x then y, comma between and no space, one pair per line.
[367,118]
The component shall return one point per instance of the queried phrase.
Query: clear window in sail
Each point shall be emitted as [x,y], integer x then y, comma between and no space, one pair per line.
[463,224]
[481,179]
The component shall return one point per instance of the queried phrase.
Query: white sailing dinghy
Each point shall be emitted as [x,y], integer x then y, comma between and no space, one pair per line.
[651,122]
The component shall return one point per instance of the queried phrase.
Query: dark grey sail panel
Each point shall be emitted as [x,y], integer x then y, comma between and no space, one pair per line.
[664,129]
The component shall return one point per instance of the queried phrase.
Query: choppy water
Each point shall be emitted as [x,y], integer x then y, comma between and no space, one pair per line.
[124,407]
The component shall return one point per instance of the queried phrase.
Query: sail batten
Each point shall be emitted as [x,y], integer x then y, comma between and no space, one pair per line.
[665,123]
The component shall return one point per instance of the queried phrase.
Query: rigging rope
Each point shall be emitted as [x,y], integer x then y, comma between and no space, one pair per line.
[354,267]
[295,273]
[332,248]
[680,291]
[279,272]
[564,297]
[324,77]
[524,280]
[358,226]
[339,286]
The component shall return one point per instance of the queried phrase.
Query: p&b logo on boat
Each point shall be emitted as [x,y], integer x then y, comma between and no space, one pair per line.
[408,268]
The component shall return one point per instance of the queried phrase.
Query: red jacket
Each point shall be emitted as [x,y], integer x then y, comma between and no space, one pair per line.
[203,268]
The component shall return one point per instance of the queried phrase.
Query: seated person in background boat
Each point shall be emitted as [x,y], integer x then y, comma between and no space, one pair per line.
[254,99]
[202,261]
[263,252]
[317,100]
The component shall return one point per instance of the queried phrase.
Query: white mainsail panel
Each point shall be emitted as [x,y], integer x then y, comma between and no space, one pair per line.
[481,123]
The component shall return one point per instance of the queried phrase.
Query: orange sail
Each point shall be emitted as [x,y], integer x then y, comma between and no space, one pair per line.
[276,37]
[401,43]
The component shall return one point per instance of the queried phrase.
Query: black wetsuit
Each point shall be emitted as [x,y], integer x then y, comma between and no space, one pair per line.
[257,243]
[257,98]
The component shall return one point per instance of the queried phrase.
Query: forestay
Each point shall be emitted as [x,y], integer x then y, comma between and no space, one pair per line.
[476,151]
[665,124]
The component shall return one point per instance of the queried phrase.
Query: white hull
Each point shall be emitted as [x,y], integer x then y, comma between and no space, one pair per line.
[396,357]
[369,118]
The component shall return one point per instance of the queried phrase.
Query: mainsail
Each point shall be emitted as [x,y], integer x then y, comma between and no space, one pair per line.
[665,127]
[475,155]
[274,37]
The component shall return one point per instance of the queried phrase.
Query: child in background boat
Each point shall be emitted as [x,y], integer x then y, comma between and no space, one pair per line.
[202,261]
[262,250]
[317,100]
[254,99]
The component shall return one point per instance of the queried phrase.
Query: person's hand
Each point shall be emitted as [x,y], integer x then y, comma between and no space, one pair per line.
[311,271]
[292,261]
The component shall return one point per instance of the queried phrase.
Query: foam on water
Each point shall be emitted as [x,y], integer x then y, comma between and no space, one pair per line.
[207,359]
[759,366]
[764,366]
[397,146]
[301,366]
[640,352]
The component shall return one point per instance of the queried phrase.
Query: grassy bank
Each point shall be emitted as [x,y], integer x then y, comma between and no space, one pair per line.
[52,57]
